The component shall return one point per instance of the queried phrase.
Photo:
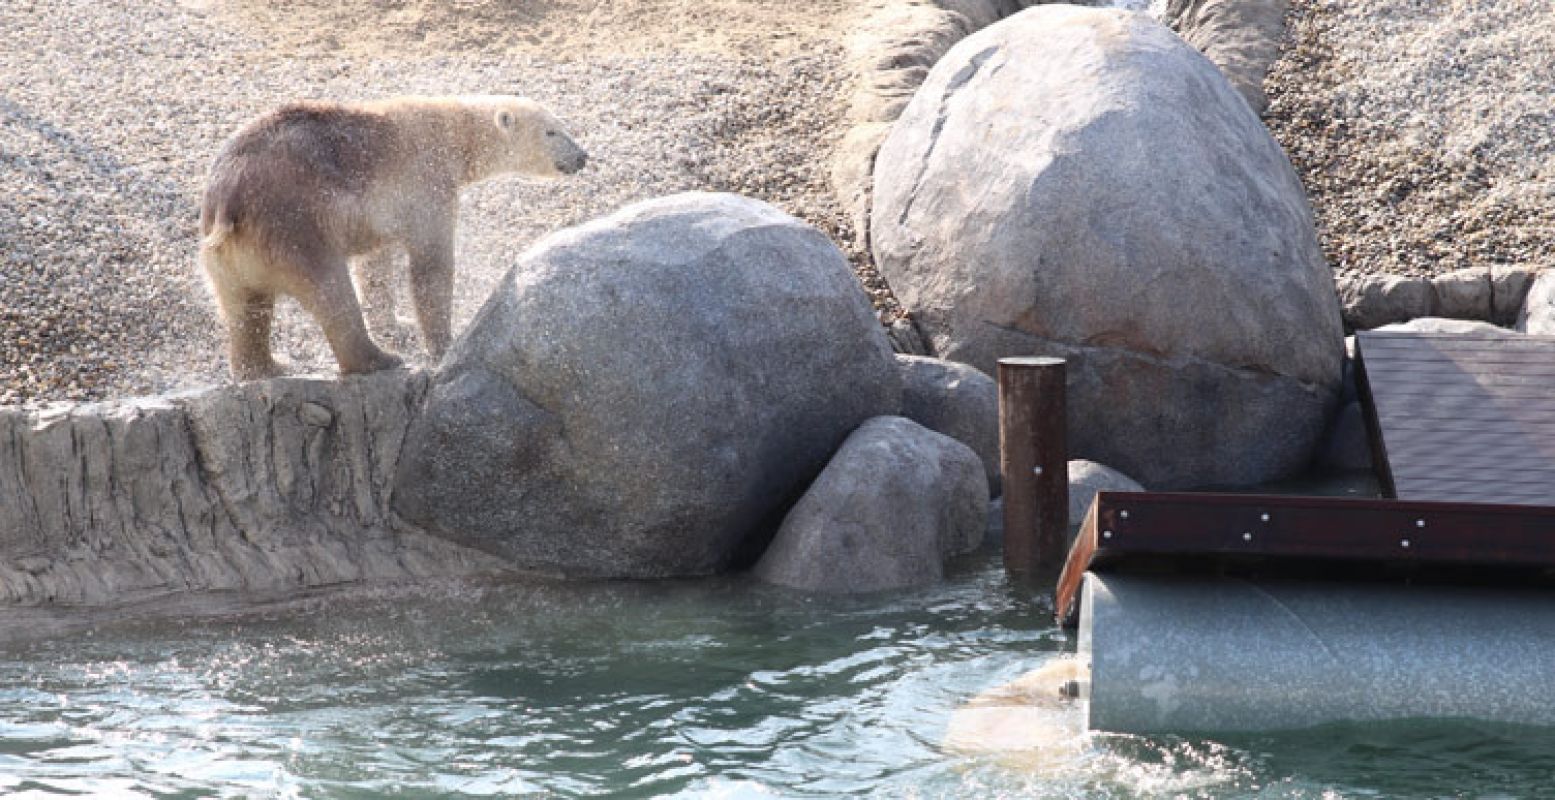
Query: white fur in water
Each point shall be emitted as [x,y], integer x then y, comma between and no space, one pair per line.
[1026,723]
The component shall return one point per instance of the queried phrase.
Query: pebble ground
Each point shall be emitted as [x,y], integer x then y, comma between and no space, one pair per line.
[1423,130]
[112,110]
[1425,133]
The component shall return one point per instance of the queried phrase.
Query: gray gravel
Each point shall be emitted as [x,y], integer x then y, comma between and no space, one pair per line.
[1424,131]
[111,111]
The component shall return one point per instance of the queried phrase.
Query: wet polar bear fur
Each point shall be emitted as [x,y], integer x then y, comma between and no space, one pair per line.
[299,192]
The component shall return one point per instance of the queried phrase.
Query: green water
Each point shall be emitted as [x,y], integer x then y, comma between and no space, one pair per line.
[699,689]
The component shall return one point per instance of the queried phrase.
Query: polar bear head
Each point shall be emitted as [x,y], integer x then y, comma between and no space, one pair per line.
[531,140]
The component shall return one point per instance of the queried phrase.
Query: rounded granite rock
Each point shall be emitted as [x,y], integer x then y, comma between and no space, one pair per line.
[1079,182]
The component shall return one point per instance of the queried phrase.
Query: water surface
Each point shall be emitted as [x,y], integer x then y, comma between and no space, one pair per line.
[717,688]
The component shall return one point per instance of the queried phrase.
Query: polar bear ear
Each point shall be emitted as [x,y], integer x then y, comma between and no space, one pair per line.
[505,119]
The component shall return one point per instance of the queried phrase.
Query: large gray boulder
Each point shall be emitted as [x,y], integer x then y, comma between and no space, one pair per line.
[895,503]
[889,53]
[643,395]
[1080,183]
[956,400]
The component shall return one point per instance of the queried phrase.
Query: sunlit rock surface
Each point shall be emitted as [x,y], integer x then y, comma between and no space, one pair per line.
[1080,183]
[644,395]
[892,50]
[1242,37]
[1538,313]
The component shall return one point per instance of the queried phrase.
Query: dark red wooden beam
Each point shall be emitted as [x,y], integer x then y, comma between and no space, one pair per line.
[1142,528]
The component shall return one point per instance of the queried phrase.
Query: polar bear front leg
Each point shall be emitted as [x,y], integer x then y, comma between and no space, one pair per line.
[374,277]
[432,288]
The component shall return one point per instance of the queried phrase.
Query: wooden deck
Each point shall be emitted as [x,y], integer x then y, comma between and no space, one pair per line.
[1461,418]
[1178,530]
[1463,435]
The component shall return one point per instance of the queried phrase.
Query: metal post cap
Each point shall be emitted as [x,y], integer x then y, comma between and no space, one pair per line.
[1030,361]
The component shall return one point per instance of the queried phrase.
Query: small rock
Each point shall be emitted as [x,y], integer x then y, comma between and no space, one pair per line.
[1372,301]
[956,400]
[896,501]
[1444,325]
[1086,478]
[1510,287]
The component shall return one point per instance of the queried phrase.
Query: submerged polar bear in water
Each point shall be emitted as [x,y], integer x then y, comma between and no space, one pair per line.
[1028,723]
[298,192]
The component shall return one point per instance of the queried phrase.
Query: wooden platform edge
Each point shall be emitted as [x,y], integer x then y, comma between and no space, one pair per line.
[1152,528]
[1066,599]
[1379,449]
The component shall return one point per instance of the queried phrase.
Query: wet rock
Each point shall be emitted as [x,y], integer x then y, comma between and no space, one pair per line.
[1538,313]
[893,505]
[567,436]
[1080,183]
[994,532]
[1086,478]
[956,400]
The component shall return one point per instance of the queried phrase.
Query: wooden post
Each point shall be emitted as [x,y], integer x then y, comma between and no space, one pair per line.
[1034,456]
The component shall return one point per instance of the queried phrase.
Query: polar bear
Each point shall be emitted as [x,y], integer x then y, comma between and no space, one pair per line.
[295,194]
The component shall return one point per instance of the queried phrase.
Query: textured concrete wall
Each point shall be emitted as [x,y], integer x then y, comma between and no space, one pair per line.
[261,486]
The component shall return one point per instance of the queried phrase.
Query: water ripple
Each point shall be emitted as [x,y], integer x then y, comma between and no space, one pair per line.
[712,689]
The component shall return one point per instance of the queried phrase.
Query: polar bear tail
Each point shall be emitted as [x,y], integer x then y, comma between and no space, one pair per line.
[220,228]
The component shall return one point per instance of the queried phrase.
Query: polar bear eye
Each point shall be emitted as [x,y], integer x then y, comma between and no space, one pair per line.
[550,134]
[504,119]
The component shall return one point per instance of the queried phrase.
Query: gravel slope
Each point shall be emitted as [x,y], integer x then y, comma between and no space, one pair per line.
[1423,129]
[111,111]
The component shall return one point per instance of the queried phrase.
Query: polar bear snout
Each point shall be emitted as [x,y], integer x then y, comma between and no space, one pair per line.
[577,163]
[568,157]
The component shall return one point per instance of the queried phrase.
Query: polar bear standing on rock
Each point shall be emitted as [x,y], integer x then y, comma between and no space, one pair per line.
[297,193]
